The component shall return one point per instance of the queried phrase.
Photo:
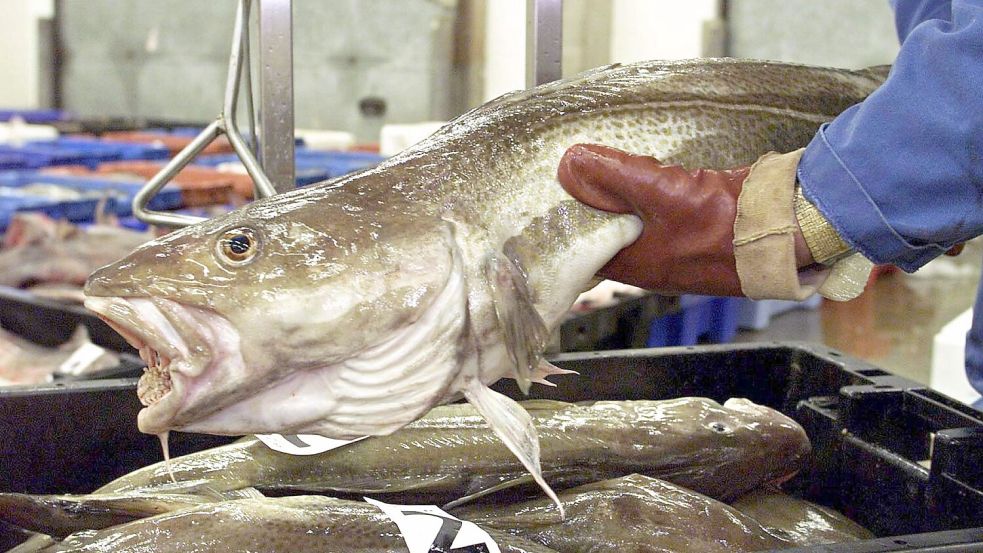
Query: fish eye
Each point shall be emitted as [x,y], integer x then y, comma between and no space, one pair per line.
[238,246]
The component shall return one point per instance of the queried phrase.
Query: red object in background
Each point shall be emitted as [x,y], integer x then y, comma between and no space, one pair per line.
[200,186]
[173,143]
[880,270]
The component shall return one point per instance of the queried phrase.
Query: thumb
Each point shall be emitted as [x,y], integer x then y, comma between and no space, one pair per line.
[592,174]
[616,181]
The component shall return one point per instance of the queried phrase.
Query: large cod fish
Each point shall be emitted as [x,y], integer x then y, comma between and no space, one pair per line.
[354,306]
[722,451]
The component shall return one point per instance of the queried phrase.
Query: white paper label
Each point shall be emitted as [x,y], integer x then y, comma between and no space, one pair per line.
[302,444]
[81,359]
[428,529]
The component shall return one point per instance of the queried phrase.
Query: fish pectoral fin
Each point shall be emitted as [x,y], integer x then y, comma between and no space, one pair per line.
[464,500]
[513,425]
[525,331]
[241,493]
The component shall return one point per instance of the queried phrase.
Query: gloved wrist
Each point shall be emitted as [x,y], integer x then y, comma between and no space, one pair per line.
[824,243]
[766,231]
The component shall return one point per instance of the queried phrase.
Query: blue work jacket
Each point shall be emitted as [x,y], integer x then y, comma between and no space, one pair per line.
[900,175]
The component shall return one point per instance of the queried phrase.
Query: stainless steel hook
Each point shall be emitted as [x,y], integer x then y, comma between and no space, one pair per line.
[224,124]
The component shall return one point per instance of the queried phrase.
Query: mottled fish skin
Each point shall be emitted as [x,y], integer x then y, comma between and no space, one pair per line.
[367,300]
[61,515]
[282,525]
[798,521]
[632,513]
[721,451]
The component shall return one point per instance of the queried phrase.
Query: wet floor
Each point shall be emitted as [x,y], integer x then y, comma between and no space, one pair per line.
[892,324]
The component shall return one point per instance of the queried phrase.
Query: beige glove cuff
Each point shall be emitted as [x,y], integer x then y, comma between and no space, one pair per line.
[764,244]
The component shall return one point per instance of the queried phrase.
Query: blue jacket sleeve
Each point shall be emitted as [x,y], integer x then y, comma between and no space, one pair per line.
[900,175]
[909,13]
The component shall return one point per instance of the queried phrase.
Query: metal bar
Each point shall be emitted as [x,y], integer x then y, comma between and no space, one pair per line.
[276,92]
[261,183]
[165,175]
[248,78]
[544,41]
[235,61]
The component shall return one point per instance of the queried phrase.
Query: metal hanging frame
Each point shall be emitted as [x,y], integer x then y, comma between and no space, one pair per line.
[224,124]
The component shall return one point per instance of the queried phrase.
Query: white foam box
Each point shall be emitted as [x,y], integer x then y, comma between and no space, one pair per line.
[949,360]
[315,139]
[396,138]
[17,132]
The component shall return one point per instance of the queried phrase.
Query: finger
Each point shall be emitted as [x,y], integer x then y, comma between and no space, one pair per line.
[585,173]
[611,179]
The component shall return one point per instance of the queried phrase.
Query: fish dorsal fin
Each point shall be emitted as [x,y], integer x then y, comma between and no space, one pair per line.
[80,337]
[241,493]
[513,425]
[524,329]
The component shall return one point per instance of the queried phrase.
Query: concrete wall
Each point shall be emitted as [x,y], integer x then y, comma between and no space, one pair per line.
[840,33]
[168,59]
[658,29]
[23,74]
[595,33]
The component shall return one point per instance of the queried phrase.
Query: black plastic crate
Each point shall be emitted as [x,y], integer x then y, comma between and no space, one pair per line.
[902,460]
[49,322]
[624,325]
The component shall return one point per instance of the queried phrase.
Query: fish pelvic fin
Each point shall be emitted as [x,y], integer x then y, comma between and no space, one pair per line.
[513,425]
[524,329]
[545,369]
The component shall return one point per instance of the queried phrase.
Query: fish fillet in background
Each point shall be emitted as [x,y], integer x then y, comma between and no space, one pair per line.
[23,362]
[354,306]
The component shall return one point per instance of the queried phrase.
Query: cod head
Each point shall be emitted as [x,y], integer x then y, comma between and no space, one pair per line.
[299,313]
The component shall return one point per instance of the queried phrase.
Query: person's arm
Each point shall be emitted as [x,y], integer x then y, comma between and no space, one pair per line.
[908,14]
[898,178]
[900,175]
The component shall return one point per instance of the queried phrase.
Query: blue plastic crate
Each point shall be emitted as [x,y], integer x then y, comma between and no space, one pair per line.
[706,319]
[120,192]
[311,165]
[36,157]
[72,210]
[34,116]
[10,205]
[99,148]
[12,161]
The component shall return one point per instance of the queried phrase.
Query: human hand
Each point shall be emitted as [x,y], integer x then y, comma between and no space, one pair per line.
[686,245]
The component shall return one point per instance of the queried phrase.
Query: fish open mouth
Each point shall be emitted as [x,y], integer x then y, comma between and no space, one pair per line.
[160,330]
